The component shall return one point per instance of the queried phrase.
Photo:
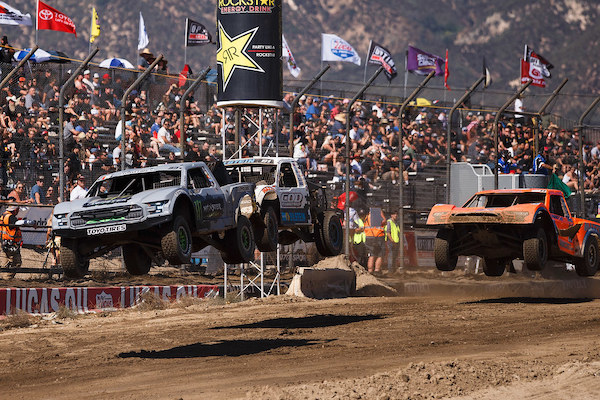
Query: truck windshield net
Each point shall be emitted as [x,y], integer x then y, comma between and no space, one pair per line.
[128,185]
[498,200]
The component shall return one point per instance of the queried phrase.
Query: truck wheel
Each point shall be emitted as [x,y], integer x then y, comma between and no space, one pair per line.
[287,237]
[588,265]
[267,234]
[493,266]
[535,251]
[137,261]
[240,243]
[177,242]
[73,264]
[441,251]
[329,235]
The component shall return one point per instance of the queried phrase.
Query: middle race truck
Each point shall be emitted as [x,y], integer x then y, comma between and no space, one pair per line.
[290,208]
[171,209]
[534,225]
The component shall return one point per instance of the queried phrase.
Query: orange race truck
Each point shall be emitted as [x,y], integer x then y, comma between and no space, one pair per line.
[534,225]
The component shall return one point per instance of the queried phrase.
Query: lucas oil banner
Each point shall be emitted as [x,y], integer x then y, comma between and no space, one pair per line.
[249,53]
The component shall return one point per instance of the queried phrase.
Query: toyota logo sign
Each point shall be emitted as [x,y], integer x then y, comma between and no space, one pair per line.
[46,15]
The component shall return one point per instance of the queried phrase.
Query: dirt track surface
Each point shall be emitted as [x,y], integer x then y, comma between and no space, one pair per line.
[291,348]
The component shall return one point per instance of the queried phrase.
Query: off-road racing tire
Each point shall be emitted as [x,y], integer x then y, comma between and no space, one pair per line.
[176,244]
[493,266]
[240,242]
[287,237]
[74,265]
[267,234]
[329,235]
[137,261]
[441,251]
[588,264]
[535,251]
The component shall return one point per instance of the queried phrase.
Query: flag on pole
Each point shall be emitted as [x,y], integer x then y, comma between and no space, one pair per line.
[488,76]
[538,61]
[51,19]
[183,75]
[95,31]
[289,59]
[143,35]
[422,63]
[196,34]
[381,56]
[534,68]
[334,48]
[12,16]
[446,72]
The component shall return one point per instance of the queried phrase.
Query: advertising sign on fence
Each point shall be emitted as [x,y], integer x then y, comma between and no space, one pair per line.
[86,299]
[249,53]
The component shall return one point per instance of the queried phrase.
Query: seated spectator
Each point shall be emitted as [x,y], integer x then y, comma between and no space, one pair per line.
[18,194]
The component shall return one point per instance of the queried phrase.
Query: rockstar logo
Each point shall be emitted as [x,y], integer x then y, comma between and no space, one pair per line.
[232,54]
[264,2]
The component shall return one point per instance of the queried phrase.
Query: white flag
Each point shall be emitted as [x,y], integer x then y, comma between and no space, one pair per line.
[143,36]
[12,16]
[288,57]
[334,48]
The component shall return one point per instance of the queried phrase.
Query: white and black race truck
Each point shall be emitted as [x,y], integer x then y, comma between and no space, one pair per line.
[173,209]
[289,207]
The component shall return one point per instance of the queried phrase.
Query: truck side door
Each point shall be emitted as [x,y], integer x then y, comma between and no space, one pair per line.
[209,201]
[293,202]
[562,219]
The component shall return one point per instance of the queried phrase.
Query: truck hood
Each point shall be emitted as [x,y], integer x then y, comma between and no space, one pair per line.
[442,214]
[88,203]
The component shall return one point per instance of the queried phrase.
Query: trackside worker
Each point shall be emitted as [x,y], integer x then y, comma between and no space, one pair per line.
[392,237]
[11,237]
[375,243]
[359,237]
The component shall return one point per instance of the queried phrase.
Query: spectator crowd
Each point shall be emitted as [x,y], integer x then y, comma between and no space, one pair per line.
[29,129]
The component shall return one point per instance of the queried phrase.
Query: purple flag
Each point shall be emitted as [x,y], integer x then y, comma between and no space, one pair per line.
[422,63]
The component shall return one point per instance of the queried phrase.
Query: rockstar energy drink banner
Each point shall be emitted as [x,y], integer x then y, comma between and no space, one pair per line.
[249,53]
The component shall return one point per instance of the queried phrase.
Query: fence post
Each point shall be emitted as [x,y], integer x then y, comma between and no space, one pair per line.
[495,127]
[61,116]
[193,86]
[579,128]
[536,140]
[401,164]
[449,137]
[144,74]
[347,186]
[19,65]
[295,104]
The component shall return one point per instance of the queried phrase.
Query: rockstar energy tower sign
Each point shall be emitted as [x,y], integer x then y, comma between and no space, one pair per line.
[249,53]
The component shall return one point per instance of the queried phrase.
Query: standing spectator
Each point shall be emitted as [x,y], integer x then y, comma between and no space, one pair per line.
[79,191]
[375,242]
[38,194]
[6,52]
